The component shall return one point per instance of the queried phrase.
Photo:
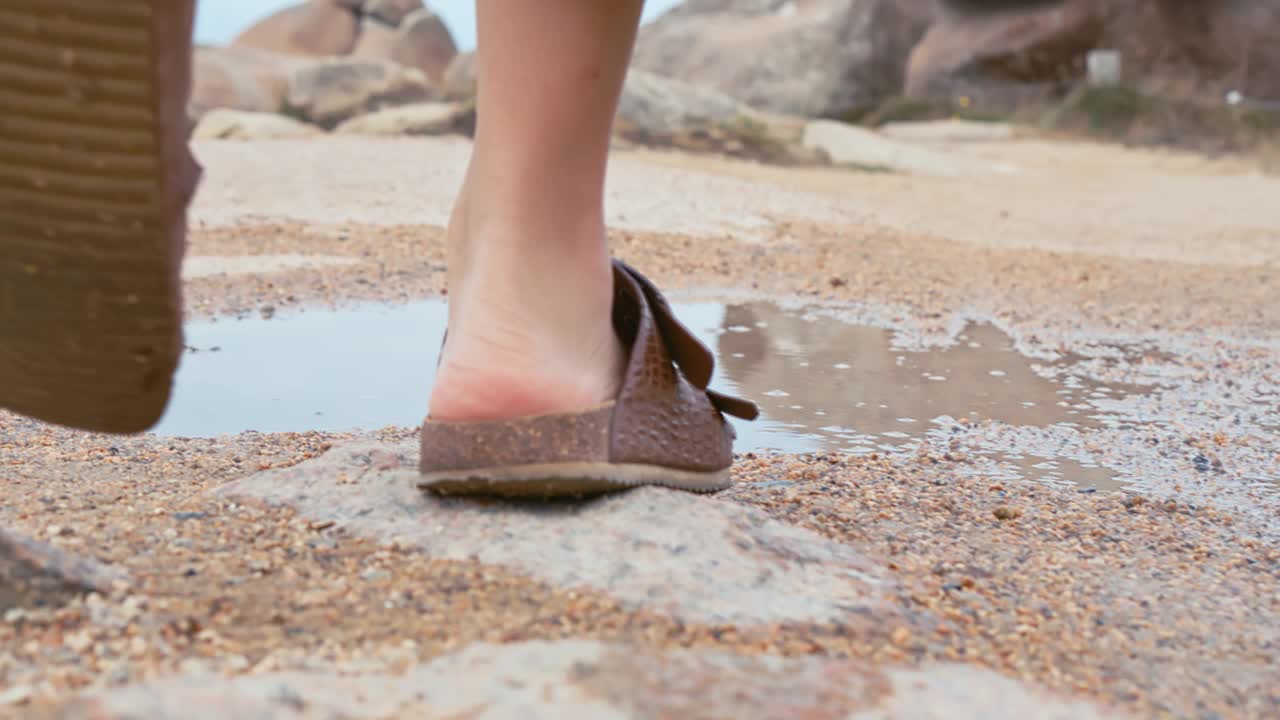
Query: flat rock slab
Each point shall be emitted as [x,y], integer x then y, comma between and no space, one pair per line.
[415,119]
[37,574]
[949,131]
[579,679]
[689,556]
[848,144]
[226,124]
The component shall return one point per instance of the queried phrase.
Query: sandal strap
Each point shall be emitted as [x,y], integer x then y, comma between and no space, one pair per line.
[695,361]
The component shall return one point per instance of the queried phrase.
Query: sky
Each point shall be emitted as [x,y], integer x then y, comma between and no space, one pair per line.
[218,21]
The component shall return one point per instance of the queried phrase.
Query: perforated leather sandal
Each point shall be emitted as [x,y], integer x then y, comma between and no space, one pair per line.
[666,427]
[95,176]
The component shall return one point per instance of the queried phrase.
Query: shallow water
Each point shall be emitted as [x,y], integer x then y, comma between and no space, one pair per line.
[822,384]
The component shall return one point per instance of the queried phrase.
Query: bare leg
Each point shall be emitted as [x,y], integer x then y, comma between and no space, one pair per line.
[530,285]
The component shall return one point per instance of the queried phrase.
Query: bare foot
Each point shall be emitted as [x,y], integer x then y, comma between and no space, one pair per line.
[530,333]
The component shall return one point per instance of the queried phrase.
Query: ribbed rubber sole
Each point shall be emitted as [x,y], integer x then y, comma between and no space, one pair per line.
[92,208]
[566,480]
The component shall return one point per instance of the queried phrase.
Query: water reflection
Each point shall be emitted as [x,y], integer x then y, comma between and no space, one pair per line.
[802,369]
[829,385]
[822,384]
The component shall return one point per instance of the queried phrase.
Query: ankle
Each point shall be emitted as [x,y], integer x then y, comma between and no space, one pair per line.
[530,311]
[546,268]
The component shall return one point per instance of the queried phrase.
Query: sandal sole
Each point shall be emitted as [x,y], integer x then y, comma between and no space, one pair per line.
[580,479]
[94,181]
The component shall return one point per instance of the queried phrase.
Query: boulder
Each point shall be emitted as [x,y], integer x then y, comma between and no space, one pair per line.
[1204,49]
[1006,55]
[375,41]
[315,28]
[661,112]
[810,57]
[417,119]
[656,106]
[239,78]
[224,124]
[460,77]
[422,41]
[332,91]
[390,12]
[403,31]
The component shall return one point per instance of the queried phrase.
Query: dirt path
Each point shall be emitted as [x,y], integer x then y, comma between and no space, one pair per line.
[305,575]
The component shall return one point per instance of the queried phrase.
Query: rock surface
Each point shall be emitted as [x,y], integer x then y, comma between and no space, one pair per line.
[459,81]
[687,556]
[375,41]
[421,41]
[814,58]
[240,78]
[1004,53]
[653,111]
[225,124]
[855,146]
[417,119]
[661,112]
[948,131]
[403,31]
[590,680]
[653,105]
[390,12]
[1000,56]
[37,574]
[330,92]
[424,42]
[1199,48]
[316,28]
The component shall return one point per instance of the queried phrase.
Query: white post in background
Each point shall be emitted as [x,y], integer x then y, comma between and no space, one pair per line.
[1105,68]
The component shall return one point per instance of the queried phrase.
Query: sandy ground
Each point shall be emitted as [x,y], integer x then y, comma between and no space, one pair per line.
[1075,197]
[1160,602]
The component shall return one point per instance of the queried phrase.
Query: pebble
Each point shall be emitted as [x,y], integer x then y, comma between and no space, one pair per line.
[16,695]
[1006,513]
[1032,590]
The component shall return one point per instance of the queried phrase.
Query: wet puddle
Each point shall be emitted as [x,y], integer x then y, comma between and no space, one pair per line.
[823,385]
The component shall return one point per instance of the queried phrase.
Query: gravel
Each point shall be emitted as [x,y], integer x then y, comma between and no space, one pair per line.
[1158,600]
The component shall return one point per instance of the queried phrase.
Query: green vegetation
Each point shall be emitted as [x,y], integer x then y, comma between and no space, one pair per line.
[1118,114]
[1128,115]
[1108,111]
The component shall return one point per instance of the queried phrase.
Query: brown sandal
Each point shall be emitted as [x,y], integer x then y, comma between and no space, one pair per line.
[665,427]
[95,176]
